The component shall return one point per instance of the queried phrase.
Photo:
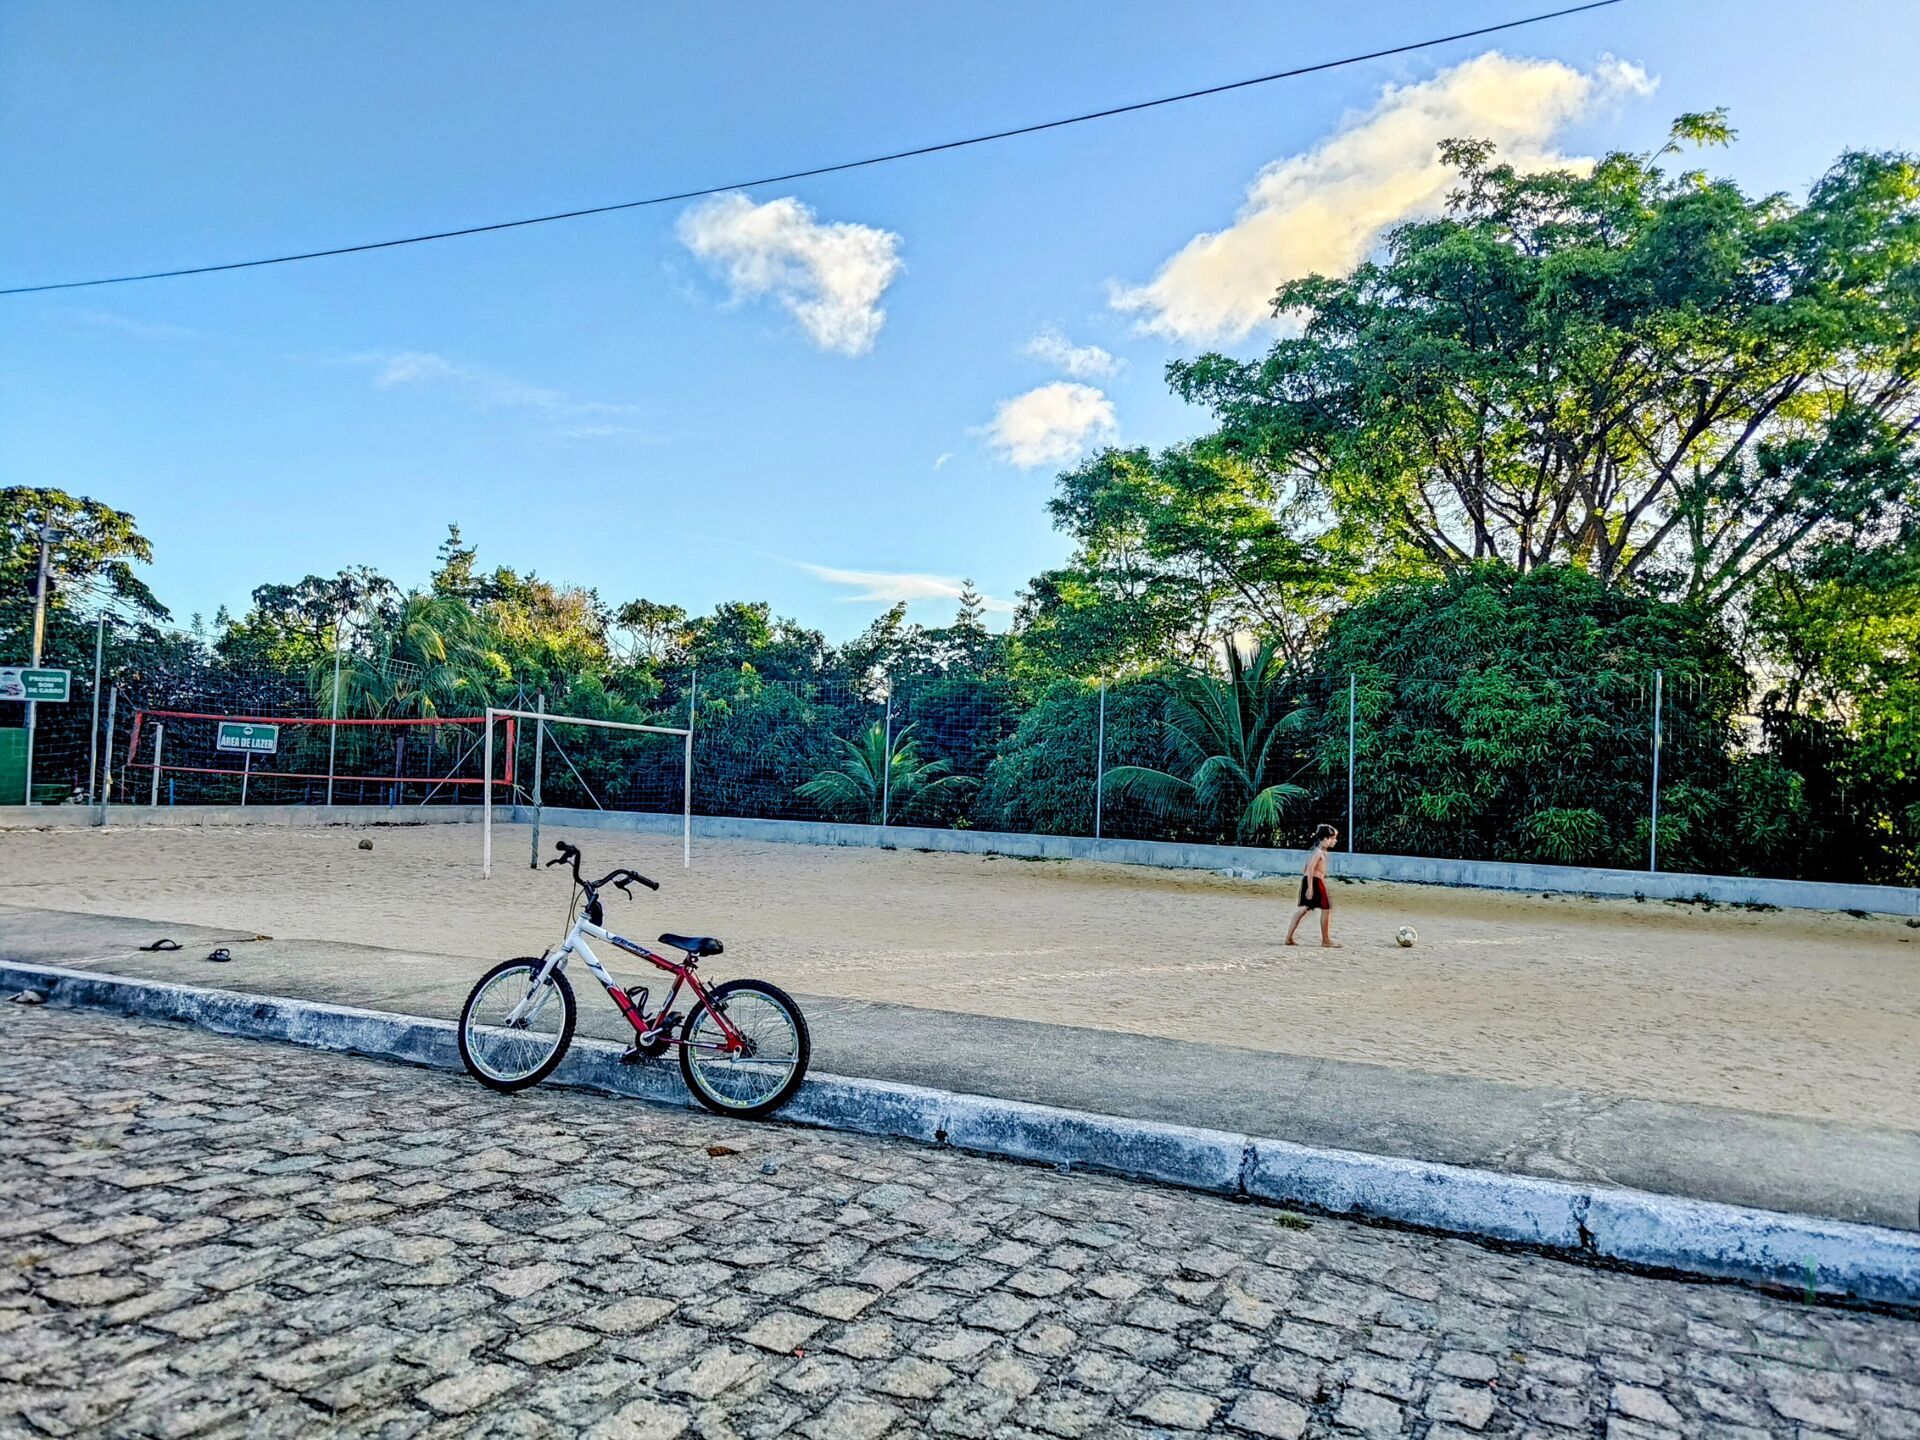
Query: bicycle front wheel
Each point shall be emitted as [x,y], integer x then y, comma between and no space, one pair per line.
[512,1031]
[757,1075]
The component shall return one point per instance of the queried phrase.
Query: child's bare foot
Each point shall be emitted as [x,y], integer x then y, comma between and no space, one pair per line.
[1291,940]
[1331,945]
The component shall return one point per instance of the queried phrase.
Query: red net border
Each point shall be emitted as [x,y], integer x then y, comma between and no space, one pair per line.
[140,717]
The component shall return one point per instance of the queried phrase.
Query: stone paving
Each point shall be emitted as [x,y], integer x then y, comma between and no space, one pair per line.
[203,1236]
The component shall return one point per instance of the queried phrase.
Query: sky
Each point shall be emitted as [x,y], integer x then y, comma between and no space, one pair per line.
[828,394]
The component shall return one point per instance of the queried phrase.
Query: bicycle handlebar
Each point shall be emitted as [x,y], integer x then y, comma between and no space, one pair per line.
[570,855]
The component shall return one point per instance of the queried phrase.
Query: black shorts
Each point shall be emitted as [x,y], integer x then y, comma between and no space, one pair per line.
[1313,893]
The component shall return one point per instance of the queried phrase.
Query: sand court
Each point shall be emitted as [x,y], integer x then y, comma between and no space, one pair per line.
[1805,1014]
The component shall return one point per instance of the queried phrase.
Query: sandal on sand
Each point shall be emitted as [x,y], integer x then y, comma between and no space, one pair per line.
[220,956]
[161,945]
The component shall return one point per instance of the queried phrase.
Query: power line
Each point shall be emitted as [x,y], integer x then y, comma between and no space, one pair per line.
[817,170]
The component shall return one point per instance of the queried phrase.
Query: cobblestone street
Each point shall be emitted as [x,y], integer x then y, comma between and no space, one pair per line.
[205,1236]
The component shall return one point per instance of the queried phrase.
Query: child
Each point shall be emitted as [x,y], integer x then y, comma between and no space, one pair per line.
[1313,887]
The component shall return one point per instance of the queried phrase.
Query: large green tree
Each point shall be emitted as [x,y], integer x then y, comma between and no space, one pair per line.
[1651,375]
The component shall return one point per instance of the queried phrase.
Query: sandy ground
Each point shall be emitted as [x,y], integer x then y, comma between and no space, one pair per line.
[1796,1013]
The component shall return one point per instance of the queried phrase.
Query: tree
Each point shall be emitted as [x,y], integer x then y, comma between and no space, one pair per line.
[544,634]
[661,634]
[1508,716]
[1170,550]
[1230,737]
[92,547]
[1043,775]
[432,658]
[455,571]
[876,781]
[1653,376]
[290,626]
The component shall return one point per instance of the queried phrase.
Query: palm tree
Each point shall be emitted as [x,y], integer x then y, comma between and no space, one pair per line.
[1227,734]
[434,656]
[875,782]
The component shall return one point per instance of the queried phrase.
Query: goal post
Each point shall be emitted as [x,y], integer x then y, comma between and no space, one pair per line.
[615,775]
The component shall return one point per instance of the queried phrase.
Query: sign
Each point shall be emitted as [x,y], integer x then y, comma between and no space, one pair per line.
[243,738]
[19,683]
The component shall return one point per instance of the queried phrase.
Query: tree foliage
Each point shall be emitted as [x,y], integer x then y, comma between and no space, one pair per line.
[1652,376]
[1228,741]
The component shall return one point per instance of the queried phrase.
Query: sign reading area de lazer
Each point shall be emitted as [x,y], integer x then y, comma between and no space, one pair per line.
[18,682]
[244,738]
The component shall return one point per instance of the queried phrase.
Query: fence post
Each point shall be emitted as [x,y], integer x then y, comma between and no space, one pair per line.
[1653,831]
[159,753]
[1351,711]
[486,796]
[113,703]
[333,730]
[886,761]
[1100,760]
[686,778]
[93,744]
[539,752]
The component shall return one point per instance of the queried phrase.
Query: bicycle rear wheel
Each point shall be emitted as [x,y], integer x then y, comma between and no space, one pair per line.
[760,1076]
[510,1035]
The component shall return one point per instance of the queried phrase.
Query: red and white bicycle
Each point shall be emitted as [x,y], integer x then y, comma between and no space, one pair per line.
[743,1045]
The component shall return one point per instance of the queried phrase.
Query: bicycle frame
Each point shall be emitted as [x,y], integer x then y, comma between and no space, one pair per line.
[647,1030]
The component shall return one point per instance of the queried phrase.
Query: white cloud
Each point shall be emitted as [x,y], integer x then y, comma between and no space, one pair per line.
[1323,210]
[829,277]
[889,587]
[940,460]
[487,388]
[1051,424]
[1082,362]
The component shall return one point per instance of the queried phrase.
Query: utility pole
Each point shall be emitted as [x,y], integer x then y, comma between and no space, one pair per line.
[39,636]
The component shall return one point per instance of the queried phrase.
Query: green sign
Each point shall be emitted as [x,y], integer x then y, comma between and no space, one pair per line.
[246,738]
[21,683]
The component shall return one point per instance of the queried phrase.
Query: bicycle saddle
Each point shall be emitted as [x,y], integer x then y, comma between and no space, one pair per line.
[702,945]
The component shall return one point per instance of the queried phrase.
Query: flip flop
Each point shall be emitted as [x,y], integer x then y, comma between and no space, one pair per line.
[161,945]
[220,956]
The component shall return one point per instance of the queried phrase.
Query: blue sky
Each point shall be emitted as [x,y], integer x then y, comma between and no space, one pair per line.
[772,395]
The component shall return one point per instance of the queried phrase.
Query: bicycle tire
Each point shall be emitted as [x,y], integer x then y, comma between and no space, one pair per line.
[803,1050]
[569,1014]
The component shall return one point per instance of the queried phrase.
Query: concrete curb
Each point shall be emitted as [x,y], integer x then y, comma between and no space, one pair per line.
[1795,1252]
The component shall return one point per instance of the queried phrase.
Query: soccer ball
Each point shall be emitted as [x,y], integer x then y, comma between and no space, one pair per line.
[1406,936]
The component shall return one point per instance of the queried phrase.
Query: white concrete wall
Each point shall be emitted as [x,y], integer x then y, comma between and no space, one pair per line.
[1413,869]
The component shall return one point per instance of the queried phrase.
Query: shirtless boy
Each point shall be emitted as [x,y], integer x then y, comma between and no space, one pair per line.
[1313,887]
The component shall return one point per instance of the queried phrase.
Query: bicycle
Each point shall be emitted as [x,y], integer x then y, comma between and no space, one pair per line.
[743,1045]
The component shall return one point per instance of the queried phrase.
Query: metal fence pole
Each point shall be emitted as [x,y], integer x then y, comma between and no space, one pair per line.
[93,743]
[486,797]
[1653,831]
[686,779]
[106,790]
[886,762]
[1352,710]
[333,730]
[1100,760]
[159,753]
[539,754]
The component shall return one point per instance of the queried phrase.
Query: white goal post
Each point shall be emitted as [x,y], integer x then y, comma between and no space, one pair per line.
[543,718]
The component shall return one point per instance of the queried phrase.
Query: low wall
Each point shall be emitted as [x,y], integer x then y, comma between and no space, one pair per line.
[1246,859]
[1257,860]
